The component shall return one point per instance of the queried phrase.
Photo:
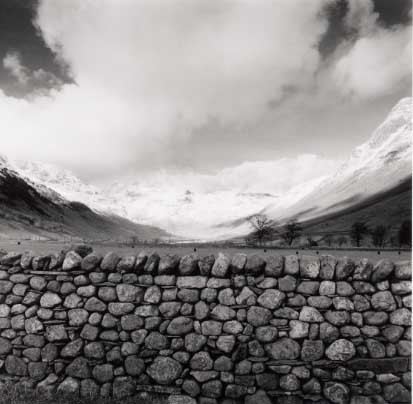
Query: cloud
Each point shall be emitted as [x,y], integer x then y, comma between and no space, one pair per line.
[148,74]
[12,64]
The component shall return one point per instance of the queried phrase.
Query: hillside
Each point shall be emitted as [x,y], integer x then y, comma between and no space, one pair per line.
[29,211]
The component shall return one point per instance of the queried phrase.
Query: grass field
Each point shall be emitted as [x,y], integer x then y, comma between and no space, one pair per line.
[42,247]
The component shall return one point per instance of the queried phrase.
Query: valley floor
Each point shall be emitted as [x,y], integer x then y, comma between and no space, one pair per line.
[46,247]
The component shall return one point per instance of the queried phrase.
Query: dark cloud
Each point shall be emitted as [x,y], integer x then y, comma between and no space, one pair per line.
[390,13]
[19,36]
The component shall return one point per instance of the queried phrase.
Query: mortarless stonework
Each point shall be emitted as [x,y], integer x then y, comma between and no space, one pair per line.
[209,330]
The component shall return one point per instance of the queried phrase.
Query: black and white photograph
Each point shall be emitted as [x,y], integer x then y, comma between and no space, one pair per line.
[205,201]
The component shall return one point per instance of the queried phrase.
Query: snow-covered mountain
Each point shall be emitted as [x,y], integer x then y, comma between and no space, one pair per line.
[379,164]
[213,205]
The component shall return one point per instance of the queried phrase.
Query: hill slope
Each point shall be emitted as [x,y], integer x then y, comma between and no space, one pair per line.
[27,210]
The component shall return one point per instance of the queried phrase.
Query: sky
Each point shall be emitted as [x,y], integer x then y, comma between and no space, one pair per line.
[109,88]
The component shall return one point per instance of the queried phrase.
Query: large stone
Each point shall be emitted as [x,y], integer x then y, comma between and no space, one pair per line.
[94,304]
[91,261]
[291,265]
[363,271]
[56,333]
[337,393]
[205,264]
[168,264]
[94,350]
[77,317]
[285,348]
[127,293]
[211,327]
[79,368]
[344,268]
[33,325]
[312,350]
[238,263]
[382,270]
[89,389]
[258,316]
[126,264]
[180,326]
[401,317]
[10,258]
[311,315]
[188,264]
[5,346]
[274,266]
[103,373]
[327,266]
[401,288]
[109,262]
[375,348]
[151,265]
[309,267]
[164,370]
[403,270]
[341,350]
[134,366]
[298,329]
[195,282]
[123,386]
[72,261]
[383,301]
[287,283]
[120,309]
[255,265]
[221,266]
[15,366]
[271,299]
[396,393]
[69,387]
[72,349]
[201,361]
[223,313]
[50,300]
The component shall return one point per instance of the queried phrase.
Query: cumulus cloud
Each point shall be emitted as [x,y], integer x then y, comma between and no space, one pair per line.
[12,64]
[149,74]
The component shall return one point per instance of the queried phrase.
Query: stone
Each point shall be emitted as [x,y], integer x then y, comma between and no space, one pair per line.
[274,266]
[69,387]
[266,334]
[120,309]
[5,346]
[183,399]
[164,370]
[89,332]
[221,266]
[194,342]
[383,301]
[337,393]
[205,265]
[287,283]
[382,270]
[392,333]
[238,263]
[201,361]
[246,295]
[327,267]
[56,333]
[312,350]
[271,299]
[103,373]
[226,343]
[156,340]
[363,270]
[134,366]
[327,288]
[10,258]
[396,393]
[343,303]
[86,291]
[168,264]
[291,265]
[79,368]
[344,268]
[403,270]
[341,350]
[72,261]
[284,348]
[188,264]
[337,318]
[289,382]
[109,262]
[95,304]
[91,262]
[195,282]
[72,349]
[311,315]
[258,316]
[319,302]
[33,325]
[127,293]
[77,317]
[169,309]
[375,348]
[94,350]
[223,313]
[180,326]
[401,317]
[226,297]
[151,265]
[211,327]
[15,366]
[123,386]
[401,288]
[107,294]
[50,300]
[37,370]
[298,329]
[255,265]
[309,267]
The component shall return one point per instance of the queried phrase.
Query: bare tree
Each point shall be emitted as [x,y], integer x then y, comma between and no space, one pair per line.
[328,239]
[291,231]
[358,231]
[341,240]
[378,236]
[262,229]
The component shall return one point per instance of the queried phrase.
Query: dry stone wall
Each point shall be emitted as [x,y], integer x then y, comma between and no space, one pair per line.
[210,330]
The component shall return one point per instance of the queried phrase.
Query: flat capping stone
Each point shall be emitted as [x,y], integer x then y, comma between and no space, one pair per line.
[384,365]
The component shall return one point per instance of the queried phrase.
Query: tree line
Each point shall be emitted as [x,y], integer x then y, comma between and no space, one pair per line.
[264,230]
